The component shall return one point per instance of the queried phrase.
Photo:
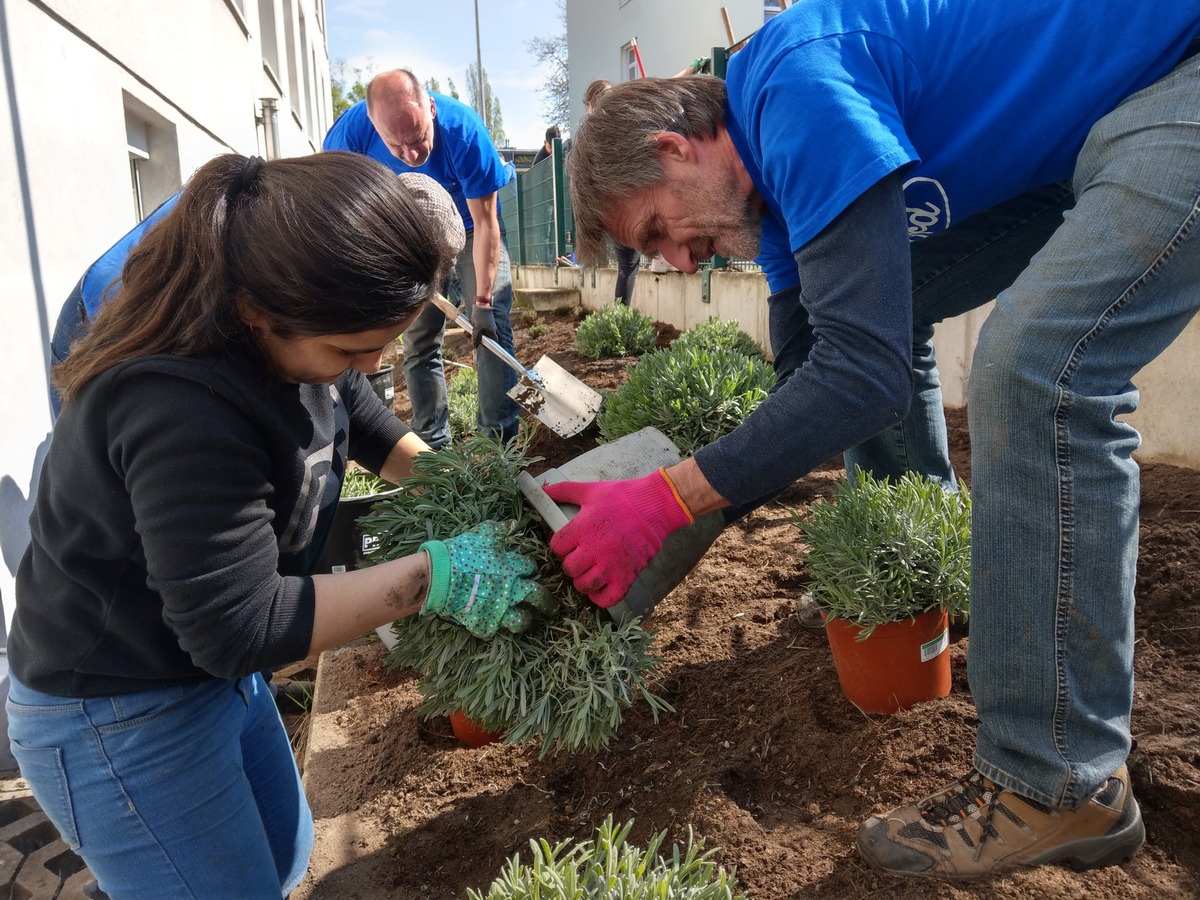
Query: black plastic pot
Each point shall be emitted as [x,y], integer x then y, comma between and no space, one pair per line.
[384,384]
[349,547]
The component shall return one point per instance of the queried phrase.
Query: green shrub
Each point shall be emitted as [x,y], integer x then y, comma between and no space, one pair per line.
[714,334]
[566,681]
[536,331]
[616,331]
[882,551]
[693,396]
[462,397]
[609,867]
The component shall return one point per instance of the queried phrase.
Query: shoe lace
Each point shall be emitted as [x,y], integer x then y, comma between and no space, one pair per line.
[970,797]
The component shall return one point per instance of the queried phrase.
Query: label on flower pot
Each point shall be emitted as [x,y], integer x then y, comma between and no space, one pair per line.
[933,649]
[369,545]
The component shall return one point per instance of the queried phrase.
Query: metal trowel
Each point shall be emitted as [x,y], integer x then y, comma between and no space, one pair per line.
[558,399]
[631,456]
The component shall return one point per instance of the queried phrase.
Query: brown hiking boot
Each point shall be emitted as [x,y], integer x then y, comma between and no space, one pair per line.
[974,828]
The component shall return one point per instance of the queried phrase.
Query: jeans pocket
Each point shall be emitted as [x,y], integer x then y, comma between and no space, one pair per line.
[43,768]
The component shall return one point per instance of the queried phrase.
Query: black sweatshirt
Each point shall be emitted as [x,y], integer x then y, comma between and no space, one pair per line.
[180,507]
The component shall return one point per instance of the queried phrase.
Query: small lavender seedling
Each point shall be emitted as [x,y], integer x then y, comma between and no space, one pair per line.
[610,866]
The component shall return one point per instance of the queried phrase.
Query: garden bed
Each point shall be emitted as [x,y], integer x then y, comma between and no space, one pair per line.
[763,757]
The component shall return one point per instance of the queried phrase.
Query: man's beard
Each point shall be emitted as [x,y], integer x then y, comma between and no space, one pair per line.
[739,237]
[742,238]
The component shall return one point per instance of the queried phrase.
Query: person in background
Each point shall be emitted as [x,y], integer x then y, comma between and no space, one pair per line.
[97,285]
[547,148]
[208,417]
[629,259]
[409,129]
[892,163]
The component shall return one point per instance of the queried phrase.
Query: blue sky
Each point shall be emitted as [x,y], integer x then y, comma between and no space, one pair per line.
[437,38]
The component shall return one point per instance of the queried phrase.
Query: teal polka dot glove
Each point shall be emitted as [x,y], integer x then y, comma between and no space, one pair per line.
[474,582]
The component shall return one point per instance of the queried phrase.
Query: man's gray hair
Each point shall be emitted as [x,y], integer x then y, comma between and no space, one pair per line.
[614,154]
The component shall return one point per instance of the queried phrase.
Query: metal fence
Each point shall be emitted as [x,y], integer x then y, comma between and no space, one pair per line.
[536,212]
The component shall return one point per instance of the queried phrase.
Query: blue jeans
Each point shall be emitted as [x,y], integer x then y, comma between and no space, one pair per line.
[628,262]
[1054,486]
[499,415]
[179,791]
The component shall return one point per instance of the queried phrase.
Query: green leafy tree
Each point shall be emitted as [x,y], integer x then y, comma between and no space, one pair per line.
[488,108]
[347,92]
[552,49]
[432,84]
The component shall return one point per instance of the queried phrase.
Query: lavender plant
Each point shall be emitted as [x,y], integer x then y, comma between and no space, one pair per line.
[610,866]
[882,550]
[567,681]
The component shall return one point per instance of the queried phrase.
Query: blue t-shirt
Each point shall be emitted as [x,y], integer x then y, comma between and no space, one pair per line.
[464,160]
[976,101]
[102,278]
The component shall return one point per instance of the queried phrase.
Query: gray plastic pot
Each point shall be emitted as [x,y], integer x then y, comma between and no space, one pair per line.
[631,456]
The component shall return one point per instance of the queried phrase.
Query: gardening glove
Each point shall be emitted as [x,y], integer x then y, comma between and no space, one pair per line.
[474,582]
[619,528]
[483,320]
[700,64]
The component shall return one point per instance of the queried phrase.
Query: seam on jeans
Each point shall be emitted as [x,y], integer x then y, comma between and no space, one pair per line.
[133,809]
[1065,484]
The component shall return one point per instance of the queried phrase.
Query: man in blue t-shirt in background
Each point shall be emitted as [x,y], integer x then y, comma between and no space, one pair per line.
[409,129]
[892,163]
[97,286]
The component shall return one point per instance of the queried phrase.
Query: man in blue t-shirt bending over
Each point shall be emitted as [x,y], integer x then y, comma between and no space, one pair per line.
[892,163]
[409,129]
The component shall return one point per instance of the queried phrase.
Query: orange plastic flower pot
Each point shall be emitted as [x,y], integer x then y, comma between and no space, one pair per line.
[469,732]
[900,664]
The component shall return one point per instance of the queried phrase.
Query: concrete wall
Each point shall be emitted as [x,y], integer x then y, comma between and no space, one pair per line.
[1167,418]
[189,75]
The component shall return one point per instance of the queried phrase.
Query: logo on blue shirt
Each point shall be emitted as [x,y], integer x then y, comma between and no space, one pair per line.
[928,207]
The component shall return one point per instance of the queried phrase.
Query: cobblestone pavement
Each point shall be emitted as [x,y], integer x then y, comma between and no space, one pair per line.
[35,864]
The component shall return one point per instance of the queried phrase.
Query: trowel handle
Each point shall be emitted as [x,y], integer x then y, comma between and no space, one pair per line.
[552,514]
[454,314]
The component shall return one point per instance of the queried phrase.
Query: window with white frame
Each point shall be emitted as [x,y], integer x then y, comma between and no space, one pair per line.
[152,146]
[269,40]
[307,71]
[771,8]
[293,70]
[629,67]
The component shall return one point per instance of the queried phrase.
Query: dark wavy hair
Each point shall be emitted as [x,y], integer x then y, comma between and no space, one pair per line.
[332,243]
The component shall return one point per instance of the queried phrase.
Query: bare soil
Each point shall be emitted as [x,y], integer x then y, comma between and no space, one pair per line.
[764,758]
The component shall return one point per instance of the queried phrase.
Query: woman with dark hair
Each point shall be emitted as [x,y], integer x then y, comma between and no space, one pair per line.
[209,414]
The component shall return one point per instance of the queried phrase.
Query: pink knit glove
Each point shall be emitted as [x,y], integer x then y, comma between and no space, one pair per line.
[619,528]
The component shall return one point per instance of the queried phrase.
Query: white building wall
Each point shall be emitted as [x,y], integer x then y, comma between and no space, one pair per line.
[190,69]
[669,33]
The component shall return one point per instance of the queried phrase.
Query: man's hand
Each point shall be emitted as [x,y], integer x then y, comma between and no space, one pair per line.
[475,583]
[483,320]
[619,528]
